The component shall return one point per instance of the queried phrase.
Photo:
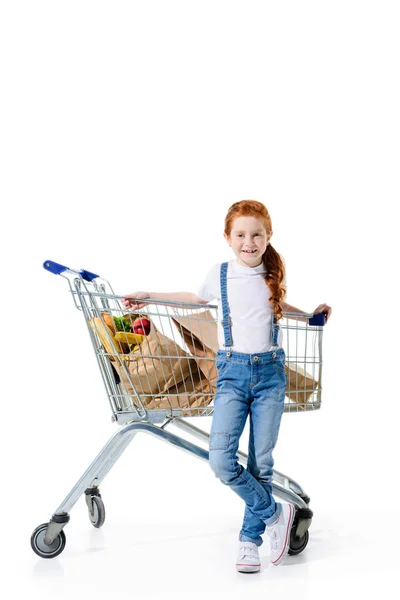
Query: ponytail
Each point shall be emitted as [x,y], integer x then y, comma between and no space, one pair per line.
[276,275]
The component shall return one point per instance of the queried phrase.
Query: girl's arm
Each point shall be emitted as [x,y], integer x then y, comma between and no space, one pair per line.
[138,299]
[185,297]
[322,308]
[288,308]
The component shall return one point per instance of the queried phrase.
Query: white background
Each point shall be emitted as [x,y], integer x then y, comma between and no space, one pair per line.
[127,131]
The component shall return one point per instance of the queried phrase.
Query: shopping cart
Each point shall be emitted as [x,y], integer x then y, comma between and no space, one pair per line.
[158,367]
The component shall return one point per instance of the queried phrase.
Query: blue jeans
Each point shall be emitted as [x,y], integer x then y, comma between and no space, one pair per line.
[255,384]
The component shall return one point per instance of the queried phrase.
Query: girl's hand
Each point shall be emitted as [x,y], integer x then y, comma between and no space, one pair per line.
[323,308]
[130,300]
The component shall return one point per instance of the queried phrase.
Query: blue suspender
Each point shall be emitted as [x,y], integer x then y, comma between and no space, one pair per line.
[274,332]
[226,320]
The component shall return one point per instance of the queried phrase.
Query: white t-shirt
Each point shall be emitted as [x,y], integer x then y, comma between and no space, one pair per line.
[249,306]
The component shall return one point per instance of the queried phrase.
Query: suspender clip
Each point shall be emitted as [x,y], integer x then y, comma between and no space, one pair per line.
[226,322]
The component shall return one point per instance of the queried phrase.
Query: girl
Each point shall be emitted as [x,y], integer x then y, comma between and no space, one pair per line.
[251,377]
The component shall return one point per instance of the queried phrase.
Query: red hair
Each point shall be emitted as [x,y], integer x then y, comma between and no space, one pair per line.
[276,271]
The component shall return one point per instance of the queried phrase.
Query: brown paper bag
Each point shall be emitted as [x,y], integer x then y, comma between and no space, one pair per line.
[197,387]
[194,392]
[197,390]
[199,332]
[157,364]
[300,384]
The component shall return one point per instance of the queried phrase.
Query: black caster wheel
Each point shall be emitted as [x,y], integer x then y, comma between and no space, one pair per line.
[41,548]
[97,511]
[297,544]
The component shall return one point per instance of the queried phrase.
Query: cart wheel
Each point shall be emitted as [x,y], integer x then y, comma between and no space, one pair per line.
[297,544]
[97,513]
[41,548]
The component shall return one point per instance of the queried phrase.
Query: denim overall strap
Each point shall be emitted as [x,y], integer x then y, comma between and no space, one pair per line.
[226,320]
[274,332]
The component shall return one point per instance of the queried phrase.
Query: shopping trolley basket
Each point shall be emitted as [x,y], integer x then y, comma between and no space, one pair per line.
[158,367]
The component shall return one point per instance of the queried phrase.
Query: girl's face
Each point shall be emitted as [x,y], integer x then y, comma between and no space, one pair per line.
[248,240]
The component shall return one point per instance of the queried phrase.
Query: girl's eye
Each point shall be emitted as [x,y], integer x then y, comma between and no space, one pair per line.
[241,234]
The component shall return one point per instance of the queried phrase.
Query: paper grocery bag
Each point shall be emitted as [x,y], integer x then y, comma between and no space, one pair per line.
[199,332]
[193,392]
[156,365]
[197,389]
[300,384]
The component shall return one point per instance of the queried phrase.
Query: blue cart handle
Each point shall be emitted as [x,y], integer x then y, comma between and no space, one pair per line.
[318,319]
[57,269]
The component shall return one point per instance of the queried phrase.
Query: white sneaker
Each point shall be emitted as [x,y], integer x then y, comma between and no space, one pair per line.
[248,560]
[279,534]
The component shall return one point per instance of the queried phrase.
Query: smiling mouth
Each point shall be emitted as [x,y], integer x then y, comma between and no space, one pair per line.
[248,251]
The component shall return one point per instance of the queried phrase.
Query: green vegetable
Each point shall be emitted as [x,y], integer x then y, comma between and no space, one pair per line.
[122,324]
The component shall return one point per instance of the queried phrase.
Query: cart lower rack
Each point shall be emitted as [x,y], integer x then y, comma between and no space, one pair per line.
[158,367]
